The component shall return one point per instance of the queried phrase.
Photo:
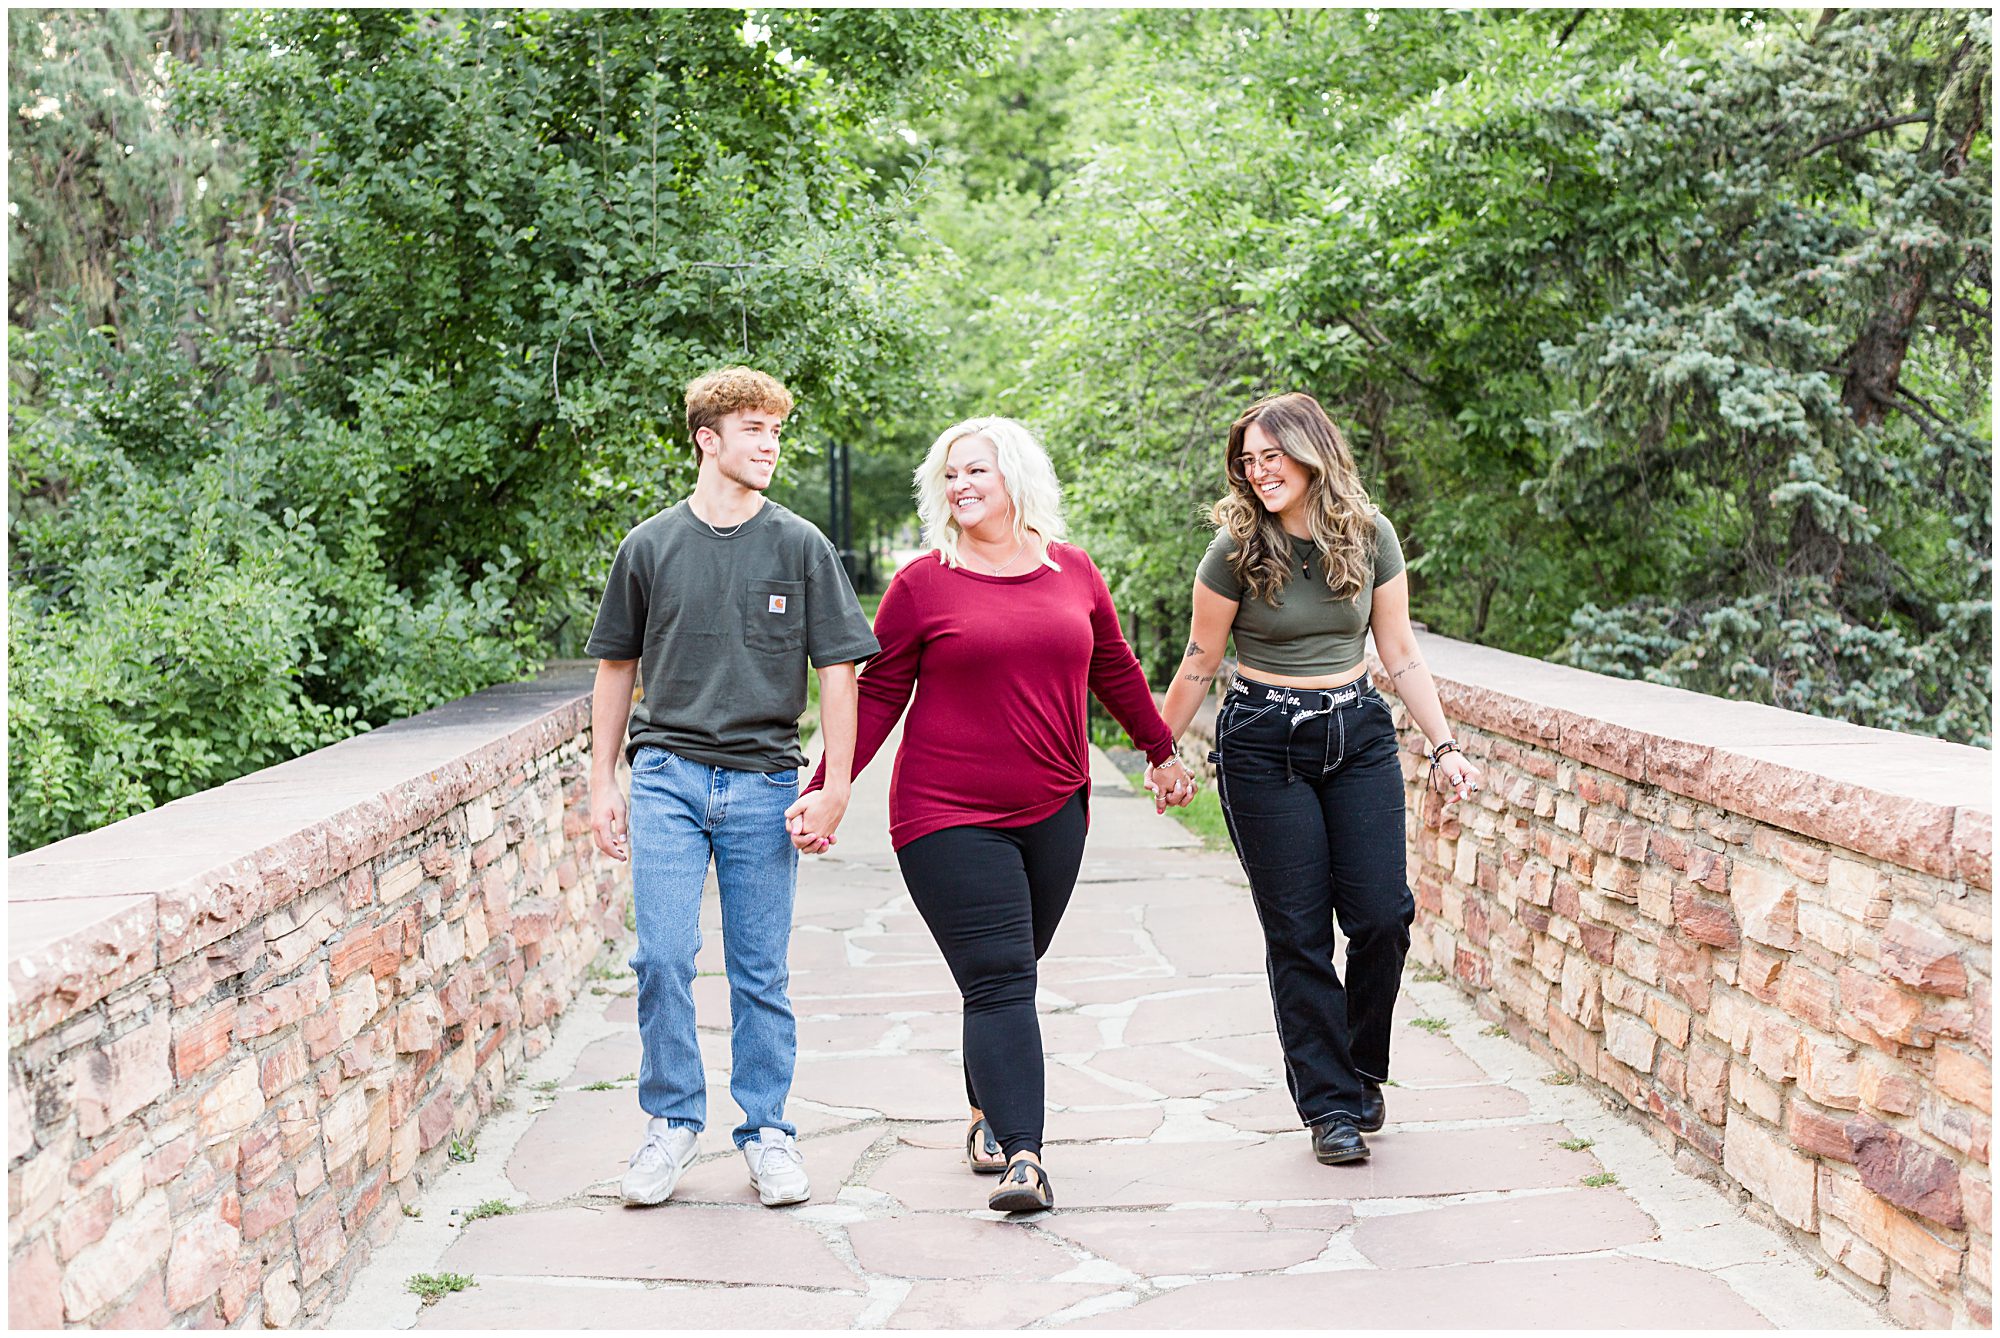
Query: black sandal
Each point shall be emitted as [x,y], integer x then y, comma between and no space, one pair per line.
[1018,1194]
[979,1142]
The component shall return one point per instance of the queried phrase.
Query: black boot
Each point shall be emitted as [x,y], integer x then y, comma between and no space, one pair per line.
[1374,1110]
[1335,1140]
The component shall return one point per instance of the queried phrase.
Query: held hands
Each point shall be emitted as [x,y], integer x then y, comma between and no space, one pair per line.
[1453,774]
[1170,783]
[812,819]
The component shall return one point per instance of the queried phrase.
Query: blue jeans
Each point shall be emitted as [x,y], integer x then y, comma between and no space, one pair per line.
[682,814]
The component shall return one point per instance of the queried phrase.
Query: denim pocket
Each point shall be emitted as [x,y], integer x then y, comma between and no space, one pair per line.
[784,780]
[1235,717]
[650,759]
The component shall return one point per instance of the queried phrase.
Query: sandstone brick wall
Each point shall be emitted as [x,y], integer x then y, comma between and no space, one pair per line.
[1766,936]
[246,1027]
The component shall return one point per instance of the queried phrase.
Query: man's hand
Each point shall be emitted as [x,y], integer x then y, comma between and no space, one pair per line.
[812,819]
[607,820]
[610,708]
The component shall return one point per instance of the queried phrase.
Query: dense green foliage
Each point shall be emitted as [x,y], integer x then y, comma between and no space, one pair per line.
[92,160]
[1663,337]
[345,344]
[381,456]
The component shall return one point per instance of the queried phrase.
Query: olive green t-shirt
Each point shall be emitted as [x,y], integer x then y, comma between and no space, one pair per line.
[1307,631]
[722,625]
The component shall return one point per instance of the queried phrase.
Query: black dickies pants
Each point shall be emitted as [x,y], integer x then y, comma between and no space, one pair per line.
[1312,789]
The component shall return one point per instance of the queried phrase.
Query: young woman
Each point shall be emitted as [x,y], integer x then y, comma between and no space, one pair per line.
[1000,632]
[1302,569]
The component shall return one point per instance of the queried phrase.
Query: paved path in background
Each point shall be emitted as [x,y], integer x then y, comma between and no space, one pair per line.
[1187,1195]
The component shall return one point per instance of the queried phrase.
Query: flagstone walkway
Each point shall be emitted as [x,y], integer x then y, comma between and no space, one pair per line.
[1187,1197]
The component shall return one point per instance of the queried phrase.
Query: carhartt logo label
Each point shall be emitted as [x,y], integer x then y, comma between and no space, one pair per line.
[777,604]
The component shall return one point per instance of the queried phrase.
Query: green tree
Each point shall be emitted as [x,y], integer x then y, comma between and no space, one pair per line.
[524,230]
[1593,293]
[94,158]
[393,453]
[1802,381]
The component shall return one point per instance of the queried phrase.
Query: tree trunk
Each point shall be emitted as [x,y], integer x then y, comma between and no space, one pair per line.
[1875,363]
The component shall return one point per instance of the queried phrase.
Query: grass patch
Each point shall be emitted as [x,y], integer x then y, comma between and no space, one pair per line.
[547,1085]
[463,1149]
[1429,975]
[1436,1026]
[434,1287]
[1559,1079]
[1493,1029]
[605,972]
[412,1210]
[601,1085]
[1576,1144]
[1203,817]
[490,1208]
[1600,1180]
[631,917]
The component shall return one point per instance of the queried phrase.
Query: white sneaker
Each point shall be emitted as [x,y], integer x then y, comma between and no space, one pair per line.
[656,1167]
[777,1171]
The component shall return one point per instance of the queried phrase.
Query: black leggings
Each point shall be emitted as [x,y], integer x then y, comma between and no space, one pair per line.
[992,897]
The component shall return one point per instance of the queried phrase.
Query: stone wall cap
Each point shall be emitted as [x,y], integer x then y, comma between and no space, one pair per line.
[64,955]
[1909,765]
[1913,800]
[264,837]
[276,801]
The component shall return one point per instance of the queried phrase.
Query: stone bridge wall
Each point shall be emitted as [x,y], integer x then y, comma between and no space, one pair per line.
[243,1028]
[1767,936]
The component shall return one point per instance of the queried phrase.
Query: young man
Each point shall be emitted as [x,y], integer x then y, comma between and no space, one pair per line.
[718,603]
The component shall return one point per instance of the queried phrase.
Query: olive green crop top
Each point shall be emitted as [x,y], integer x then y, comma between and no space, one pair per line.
[1307,631]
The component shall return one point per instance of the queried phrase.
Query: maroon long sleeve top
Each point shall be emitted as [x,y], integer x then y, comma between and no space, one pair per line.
[999,666]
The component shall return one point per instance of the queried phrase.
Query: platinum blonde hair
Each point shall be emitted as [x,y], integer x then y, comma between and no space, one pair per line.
[1025,471]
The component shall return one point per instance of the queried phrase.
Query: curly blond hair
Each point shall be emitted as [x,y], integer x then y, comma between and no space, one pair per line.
[727,390]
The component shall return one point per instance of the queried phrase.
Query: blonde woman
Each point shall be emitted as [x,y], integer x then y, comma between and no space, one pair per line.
[1302,569]
[999,632]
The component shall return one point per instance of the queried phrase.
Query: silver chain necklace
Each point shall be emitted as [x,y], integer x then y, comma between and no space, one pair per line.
[729,533]
[1018,550]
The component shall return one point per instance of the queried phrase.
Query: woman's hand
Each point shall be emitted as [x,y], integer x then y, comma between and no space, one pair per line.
[1170,783]
[812,818]
[1454,774]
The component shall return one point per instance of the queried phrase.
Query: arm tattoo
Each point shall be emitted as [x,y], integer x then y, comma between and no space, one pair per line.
[1404,670]
[1199,678]
[1194,649]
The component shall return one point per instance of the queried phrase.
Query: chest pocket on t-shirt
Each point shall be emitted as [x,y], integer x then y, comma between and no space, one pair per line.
[775,619]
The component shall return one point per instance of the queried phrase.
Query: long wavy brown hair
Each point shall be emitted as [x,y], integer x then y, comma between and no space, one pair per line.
[1338,512]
